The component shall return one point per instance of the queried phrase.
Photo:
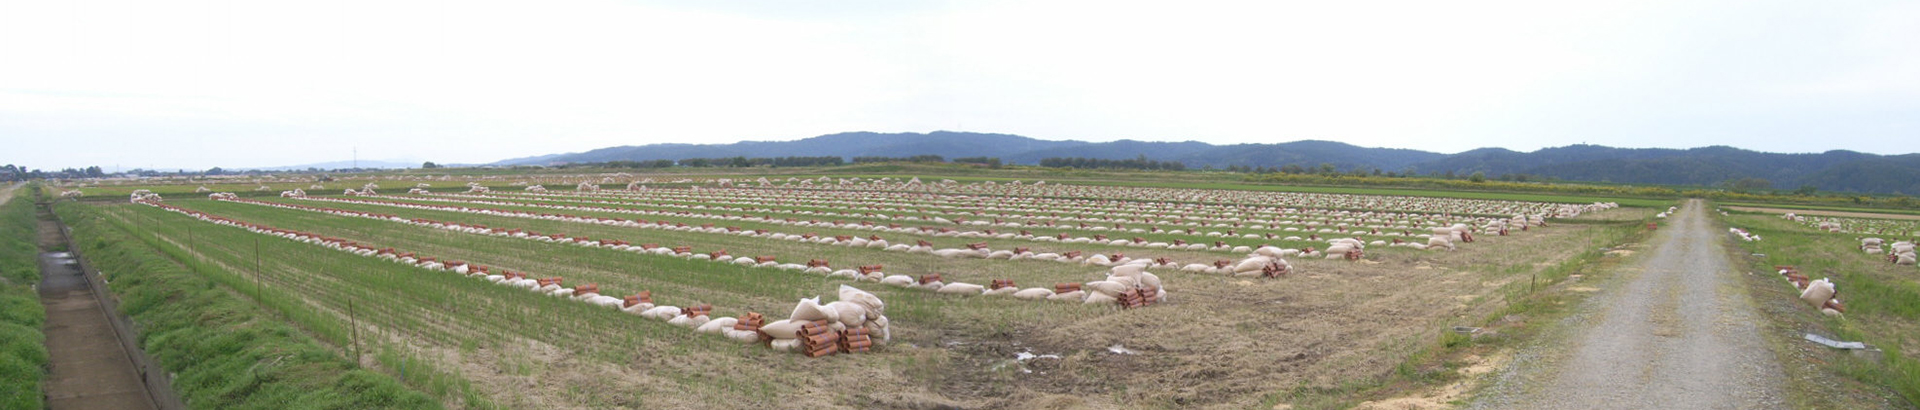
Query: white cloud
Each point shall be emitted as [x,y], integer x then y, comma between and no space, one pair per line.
[479,81]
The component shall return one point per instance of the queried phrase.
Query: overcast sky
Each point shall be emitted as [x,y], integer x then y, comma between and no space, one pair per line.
[246,83]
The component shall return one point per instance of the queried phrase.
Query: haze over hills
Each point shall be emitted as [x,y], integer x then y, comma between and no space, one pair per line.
[1829,171]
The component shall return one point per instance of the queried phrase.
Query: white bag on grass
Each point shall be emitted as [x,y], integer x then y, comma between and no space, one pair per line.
[1074,296]
[1110,289]
[810,309]
[782,329]
[748,336]
[688,321]
[1818,292]
[864,298]
[1097,297]
[960,288]
[785,345]
[661,312]
[849,313]
[717,325]
[1033,293]
[879,330]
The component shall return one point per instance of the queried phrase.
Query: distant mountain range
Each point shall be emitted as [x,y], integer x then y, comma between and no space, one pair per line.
[1827,171]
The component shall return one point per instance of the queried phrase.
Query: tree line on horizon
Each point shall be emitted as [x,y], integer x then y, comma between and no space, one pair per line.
[1140,163]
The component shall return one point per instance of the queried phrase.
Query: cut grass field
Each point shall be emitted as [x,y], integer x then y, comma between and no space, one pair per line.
[1883,310]
[601,206]
[896,237]
[893,237]
[1430,193]
[1333,334]
[400,181]
[901,208]
[978,271]
[615,358]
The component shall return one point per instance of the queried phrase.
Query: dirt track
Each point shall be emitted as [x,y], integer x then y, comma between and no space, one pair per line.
[1674,332]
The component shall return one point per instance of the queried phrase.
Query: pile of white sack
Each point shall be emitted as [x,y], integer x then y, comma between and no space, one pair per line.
[138,196]
[1902,253]
[1128,285]
[1820,293]
[856,309]
[1743,234]
[1350,248]
[1266,261]
[1872,245]
[1447,238]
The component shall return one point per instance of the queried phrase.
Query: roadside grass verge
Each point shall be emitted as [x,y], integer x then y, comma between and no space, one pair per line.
[23,351]
[1507,318]
[1883,310]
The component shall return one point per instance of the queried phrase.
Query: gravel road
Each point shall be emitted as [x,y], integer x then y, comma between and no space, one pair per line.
[1674,331]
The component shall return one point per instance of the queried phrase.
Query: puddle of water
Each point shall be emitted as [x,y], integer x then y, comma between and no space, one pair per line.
[1021,358]
[1028,355]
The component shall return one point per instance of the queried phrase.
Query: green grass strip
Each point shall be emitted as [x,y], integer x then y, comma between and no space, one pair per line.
[221,349]
[23,350]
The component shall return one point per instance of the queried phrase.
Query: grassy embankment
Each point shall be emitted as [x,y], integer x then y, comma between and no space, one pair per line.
[223,350]
[1883,310]
[23,352]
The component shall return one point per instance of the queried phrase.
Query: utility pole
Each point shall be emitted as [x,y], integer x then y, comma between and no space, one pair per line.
[256,270]
[355,322]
